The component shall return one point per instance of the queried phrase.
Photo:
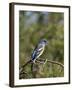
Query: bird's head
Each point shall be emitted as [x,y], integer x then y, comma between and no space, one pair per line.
[44,41]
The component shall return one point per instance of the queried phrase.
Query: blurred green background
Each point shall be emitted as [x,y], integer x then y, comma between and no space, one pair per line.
[34,26]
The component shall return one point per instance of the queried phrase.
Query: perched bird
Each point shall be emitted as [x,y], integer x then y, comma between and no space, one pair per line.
[39,49]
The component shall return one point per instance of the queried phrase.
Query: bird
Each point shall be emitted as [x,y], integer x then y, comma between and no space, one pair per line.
[39,49]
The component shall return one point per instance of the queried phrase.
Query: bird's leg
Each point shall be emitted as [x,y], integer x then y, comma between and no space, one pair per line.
[34,61]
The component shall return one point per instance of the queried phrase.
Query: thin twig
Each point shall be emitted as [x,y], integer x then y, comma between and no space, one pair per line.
[54,62]
[58,63]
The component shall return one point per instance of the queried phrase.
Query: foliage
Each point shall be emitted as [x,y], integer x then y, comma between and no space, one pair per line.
[34,26]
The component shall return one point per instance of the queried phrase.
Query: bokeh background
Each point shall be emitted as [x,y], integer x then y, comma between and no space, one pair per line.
[34,26]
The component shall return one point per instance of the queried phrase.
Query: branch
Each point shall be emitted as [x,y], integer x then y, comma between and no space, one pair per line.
[39,60]
[22,67]
[54,62]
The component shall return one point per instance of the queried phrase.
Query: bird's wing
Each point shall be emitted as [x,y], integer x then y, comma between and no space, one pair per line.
[33,55]
[37,52]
